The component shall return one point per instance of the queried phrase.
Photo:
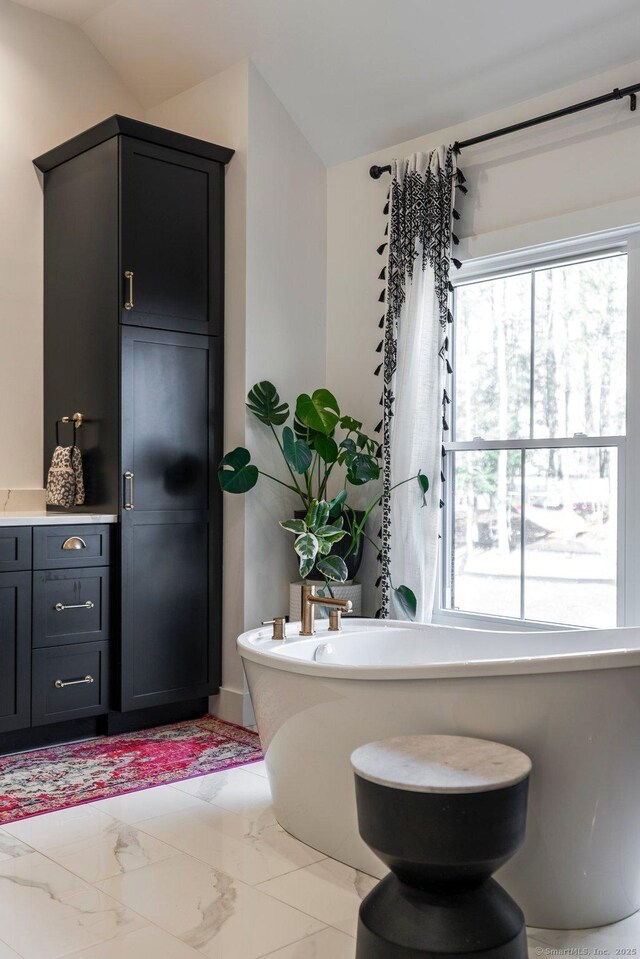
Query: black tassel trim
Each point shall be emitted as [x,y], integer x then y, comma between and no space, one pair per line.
[379,557]
[383,273]
[455,214]
[379,346]
[378,427]
[450,285]
[460,177]
[445,397]
[381,323]
[446,343]
[449,316]
[456,263]
[380,401]
[462,188]
[455,239]
[386,230]
[386,208]
[444,452]
[378,581]
[382,296]
[376,372]
[445,425]
[449,369]
[379,452]
[380,533]
[381,249]
[442,477]
[378,614]
[441,503]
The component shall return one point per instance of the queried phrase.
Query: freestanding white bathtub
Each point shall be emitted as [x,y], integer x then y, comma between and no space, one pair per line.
[570,700]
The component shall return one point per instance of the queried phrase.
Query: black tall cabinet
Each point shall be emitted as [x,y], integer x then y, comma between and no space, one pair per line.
[133,338]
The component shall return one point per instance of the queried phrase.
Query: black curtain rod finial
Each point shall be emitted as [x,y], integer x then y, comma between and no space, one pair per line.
[375,172]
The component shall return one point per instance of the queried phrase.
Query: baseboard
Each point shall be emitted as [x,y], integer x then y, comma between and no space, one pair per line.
[233,705]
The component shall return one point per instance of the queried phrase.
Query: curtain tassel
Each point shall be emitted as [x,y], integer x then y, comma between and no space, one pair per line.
[449,367]
[378,427]
[455,239]
[386,208]
[376,372]
[455,214]
[381,323]
[445,425]
[441,503]
[381,249]
[379,346]
[450,285]
[456,263]
[442,477]
[449,316]
[383,273]
[445,397]
[378,581]
[379,452]
[444,452]
[382,296]
[462,188]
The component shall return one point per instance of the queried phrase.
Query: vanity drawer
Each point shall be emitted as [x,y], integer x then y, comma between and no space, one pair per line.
[69,682]
[60,547]
[15,548]
[70,606]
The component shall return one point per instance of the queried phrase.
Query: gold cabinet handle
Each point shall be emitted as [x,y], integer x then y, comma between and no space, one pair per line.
[61,683]
[128,275]
[128,500]
[74,542]
[60,607]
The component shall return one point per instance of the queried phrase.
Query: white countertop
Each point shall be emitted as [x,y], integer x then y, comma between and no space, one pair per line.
[41,517]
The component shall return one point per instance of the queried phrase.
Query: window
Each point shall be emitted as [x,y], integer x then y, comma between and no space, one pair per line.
[532,521]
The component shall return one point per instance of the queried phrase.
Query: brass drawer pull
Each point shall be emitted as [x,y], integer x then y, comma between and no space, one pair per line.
[128,500]
[74,542]
[128,275]
[61,683]
[60,607]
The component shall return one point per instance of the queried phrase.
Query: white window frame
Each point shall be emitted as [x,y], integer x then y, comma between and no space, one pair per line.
[595,246]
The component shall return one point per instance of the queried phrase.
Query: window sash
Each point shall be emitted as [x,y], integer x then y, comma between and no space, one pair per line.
[628,446]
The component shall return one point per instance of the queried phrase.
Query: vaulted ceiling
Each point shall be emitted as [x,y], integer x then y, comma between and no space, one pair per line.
[358,75]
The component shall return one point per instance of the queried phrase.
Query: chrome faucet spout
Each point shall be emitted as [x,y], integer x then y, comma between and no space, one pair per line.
[310,600]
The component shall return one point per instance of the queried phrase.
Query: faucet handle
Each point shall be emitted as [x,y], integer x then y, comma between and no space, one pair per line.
[279,626]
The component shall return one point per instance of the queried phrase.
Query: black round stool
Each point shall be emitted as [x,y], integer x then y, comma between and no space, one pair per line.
[443,813]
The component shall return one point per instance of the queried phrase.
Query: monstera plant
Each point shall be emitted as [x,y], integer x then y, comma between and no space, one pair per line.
[321,442]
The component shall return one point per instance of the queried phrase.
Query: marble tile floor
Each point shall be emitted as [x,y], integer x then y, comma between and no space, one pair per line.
[199,868]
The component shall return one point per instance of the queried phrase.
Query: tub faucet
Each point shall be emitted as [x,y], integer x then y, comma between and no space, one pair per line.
[310,600]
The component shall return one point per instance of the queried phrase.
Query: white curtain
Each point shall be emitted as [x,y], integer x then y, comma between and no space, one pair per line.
[415,364]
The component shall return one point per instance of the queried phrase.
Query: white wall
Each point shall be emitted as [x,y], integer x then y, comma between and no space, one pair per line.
[286,321]
[570,177]
[53,84]
[274,321]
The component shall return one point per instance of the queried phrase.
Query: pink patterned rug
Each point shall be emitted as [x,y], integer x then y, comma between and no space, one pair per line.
[60,776]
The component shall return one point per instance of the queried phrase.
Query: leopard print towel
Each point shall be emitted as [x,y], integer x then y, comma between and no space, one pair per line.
[65,483]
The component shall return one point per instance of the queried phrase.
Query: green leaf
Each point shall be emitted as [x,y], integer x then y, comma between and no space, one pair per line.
[362,468]
[306,565]
[306,545]
[348,444]
[236,474]
[423,483]
[326,448]
[324,546]
[264,403]
[332,534]
[322,515]
[296,526]
[407,601]
[348,423]
[333,567]
[335,506]
[296,452]
[320,411]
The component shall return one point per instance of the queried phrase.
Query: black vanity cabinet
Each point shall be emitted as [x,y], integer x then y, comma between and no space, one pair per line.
[133,298]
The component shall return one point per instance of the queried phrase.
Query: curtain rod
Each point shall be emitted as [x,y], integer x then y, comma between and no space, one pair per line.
[375,172]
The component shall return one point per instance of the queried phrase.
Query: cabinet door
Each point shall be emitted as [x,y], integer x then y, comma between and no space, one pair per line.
[170,617]
[15,650]
[172,233]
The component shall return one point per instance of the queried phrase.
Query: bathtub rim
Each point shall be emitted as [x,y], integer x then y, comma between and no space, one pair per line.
[616,658]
